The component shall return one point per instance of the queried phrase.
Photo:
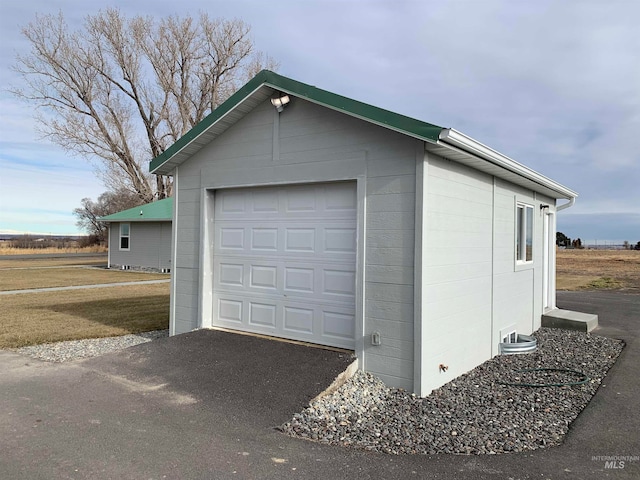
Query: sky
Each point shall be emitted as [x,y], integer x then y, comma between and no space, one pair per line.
[553,85]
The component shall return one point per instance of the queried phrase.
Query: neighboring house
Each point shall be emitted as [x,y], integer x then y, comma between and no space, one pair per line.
[330,221]
[140,237]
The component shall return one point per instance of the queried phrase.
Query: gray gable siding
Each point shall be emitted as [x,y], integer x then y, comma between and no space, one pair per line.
[149,245]
[308,144]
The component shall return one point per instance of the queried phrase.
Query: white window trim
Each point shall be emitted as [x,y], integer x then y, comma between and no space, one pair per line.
[520,248]
[121,236]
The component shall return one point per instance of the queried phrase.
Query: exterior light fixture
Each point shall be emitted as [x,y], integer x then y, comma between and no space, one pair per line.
[280,101]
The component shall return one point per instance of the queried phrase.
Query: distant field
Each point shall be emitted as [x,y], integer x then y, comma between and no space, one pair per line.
[5,249]
[598,269]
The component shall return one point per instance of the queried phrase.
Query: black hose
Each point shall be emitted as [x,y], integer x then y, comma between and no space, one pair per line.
[583,378]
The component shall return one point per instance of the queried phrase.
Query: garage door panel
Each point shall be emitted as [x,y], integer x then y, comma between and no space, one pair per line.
[264,239]
[295,320]
[264,277]
[230,310]
[339,282]
[284,262]
[299,279]
[298,320]
[332,283]
[338,325]
[231,274]
[298,199]
[233,202]
[265,200]
[262,314]
[323,201]
[231,238]
[339,240]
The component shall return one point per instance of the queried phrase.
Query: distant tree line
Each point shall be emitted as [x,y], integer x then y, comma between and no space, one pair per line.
[40,242]
[563,241]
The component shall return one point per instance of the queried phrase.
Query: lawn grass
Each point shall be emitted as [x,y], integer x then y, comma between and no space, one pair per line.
[46,262]
[20,279]
[35,318]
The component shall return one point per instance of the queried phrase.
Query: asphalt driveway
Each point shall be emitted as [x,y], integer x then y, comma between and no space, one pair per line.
[204,405]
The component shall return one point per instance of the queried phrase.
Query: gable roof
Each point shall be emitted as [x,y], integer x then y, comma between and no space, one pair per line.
[160,211]
[261,87]
[446,142]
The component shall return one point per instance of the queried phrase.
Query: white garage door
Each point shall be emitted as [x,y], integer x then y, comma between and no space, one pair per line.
[284,262]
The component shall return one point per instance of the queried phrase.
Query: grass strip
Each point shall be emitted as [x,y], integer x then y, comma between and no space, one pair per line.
[67,277]
[35,318]
[8,262]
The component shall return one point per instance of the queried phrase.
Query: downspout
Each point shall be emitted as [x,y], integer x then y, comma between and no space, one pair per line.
[570,203]
[552,277]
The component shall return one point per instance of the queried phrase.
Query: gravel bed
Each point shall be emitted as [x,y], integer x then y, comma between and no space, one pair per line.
[74,349]
[472,414]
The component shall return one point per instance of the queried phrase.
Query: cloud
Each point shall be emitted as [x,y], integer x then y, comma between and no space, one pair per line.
[612,227]
[553,85]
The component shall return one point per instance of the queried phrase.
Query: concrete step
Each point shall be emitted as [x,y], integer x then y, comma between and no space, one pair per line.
[569,320]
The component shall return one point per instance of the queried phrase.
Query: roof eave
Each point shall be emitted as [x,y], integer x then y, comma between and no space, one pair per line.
[454,138]
[133,219]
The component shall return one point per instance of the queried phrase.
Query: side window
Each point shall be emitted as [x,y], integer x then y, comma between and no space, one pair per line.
[124,236]
[524,233]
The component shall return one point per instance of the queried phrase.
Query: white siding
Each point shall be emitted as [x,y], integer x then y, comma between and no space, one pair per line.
[472,288]
[315,144]
[456,308]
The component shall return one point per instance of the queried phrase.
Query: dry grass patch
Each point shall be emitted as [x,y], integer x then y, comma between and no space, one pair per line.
[8,262]
[35,318]
[18,279]
[598,269]
[5,249]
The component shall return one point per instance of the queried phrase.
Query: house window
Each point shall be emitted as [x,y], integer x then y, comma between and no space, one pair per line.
[524,233]
[124,236]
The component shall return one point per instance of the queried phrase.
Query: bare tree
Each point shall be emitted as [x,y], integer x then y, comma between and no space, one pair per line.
[121,90]
[107,203]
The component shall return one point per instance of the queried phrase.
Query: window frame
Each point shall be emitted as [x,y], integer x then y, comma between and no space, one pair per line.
[510,337]
[123,236]
[524,234]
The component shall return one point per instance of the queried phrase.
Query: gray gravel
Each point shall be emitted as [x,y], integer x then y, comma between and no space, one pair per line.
[72,350]
[474,413]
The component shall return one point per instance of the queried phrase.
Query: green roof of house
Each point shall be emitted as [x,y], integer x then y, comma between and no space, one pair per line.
[259,88]
[160,211]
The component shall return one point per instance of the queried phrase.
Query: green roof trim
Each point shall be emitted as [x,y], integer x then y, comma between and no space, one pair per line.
[395,121]
[160,211]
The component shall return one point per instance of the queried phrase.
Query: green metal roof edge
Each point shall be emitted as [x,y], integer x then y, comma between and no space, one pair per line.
[159,211]
[386,118]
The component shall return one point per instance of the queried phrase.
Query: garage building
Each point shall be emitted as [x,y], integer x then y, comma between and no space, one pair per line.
[302,214]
